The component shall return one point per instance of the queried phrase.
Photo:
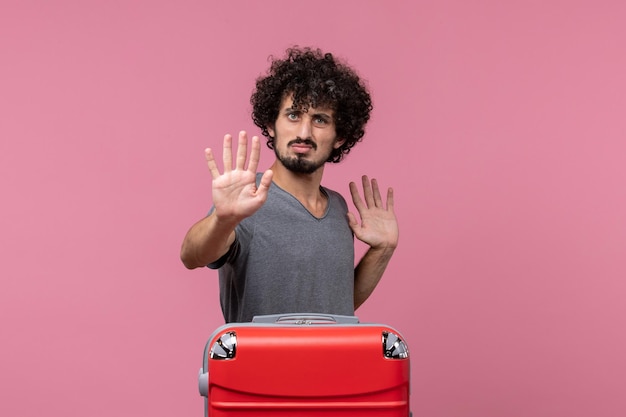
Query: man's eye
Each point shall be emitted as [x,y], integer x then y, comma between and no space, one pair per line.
[321,121]
[292,116]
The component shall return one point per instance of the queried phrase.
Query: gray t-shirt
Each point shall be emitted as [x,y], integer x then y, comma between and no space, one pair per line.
[285,260]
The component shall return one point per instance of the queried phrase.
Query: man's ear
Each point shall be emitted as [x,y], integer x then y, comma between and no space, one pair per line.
[338,143]
[270,130]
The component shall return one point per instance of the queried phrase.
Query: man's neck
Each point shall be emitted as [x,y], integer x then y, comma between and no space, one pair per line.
[304,187]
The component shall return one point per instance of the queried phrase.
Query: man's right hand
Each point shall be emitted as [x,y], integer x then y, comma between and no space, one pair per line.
[235,193]
[235,197]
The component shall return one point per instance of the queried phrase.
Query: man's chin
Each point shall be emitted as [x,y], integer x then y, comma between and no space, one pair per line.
[300,165]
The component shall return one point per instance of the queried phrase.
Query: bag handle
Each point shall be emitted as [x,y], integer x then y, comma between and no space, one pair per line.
[305,319]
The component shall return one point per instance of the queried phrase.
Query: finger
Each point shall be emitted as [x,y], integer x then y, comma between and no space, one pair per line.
[242,150]
[390,199]
[356,198]
[255,154]
[228,153]
[210,159]
[367,192]
[377,198]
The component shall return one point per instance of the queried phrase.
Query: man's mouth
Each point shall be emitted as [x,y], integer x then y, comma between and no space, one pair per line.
[302,145]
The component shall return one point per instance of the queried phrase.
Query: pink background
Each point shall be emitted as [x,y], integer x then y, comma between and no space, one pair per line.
[501,125]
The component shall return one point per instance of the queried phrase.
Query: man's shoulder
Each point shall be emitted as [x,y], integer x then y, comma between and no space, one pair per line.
[332,194]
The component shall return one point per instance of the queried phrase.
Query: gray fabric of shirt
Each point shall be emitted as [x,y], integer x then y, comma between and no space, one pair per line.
[285,260]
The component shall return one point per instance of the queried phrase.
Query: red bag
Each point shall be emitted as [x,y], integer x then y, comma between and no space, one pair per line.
[305,365]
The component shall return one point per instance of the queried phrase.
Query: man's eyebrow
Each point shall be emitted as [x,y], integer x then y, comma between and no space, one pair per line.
[324,114]
[327,114]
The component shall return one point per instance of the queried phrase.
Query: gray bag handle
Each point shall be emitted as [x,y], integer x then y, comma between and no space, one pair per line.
[305,318]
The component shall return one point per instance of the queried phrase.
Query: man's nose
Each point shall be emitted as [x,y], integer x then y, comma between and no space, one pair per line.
[304,130]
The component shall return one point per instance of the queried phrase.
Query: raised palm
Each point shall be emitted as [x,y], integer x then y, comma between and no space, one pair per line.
[235,193]
[378,227]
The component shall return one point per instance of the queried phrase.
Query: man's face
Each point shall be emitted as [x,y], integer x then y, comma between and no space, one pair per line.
[304,139]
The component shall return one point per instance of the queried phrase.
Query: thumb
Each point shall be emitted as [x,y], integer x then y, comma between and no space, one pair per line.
[352,222]
[266,181]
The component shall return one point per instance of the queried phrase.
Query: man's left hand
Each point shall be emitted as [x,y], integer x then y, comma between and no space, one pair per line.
[378,227]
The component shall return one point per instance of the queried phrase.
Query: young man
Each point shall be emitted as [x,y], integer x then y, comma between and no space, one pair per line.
[281,241]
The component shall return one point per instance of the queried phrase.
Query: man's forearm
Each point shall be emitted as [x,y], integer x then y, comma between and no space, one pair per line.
[368,273]
[206,242]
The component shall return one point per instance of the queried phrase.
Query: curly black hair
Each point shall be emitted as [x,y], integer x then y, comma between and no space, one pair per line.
[315,79]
